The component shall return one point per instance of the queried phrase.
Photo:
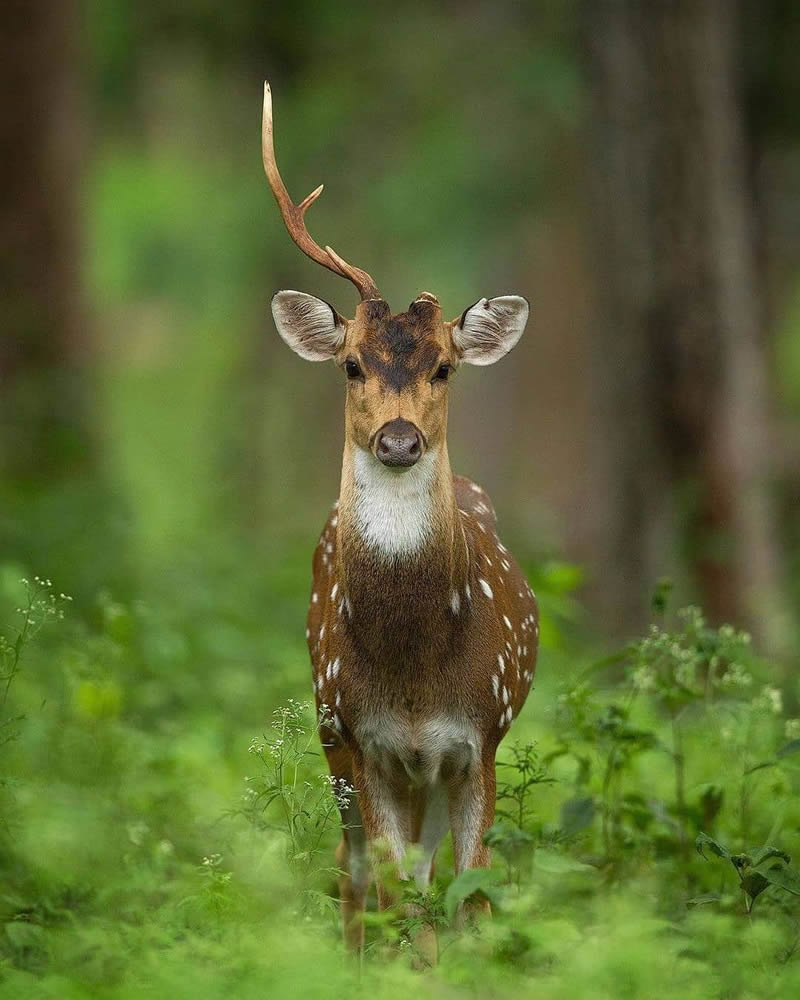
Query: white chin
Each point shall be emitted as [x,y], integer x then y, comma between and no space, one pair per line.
[393,505]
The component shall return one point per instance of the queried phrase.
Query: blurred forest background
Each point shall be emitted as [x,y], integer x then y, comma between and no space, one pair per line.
[633,168]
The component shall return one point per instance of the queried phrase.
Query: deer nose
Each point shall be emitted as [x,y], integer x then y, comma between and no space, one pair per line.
[398,444]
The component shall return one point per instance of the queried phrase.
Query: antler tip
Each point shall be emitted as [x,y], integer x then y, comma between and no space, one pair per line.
[310,199]
[293,215]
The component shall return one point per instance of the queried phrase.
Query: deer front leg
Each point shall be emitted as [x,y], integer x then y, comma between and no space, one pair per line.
[385,819]
[351,854]
[352,858]
[471,804]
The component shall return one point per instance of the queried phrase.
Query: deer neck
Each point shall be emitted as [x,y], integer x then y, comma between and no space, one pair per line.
[401,550]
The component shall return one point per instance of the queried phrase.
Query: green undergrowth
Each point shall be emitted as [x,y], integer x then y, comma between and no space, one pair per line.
[167,826]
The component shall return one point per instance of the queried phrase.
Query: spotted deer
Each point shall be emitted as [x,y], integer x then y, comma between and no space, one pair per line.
[422,630]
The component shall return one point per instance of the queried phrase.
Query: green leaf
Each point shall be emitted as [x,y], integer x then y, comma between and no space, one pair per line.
[761,766]
[709,897]
[793,746]
[784,878]
[754,883]
[558,864]
[24,935]
[576,815]
[510,841]
[761,854]
[660,597]
[482,880]
[703,841]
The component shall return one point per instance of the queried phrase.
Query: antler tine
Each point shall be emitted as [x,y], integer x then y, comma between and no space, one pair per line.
[293,215]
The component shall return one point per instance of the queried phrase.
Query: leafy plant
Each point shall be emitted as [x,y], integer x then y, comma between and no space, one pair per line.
[526,771]
[40,606]
[285,796]
[754,878]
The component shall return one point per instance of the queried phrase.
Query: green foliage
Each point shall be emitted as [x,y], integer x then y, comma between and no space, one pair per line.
[474,881]
[752,878]
[293,794]
[132,859]
[39,606]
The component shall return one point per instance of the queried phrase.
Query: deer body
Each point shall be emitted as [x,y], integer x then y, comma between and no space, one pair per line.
[422,659]
[421,628]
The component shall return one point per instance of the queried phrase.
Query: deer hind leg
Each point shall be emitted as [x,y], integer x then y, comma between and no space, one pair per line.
[471,803]
[431,823]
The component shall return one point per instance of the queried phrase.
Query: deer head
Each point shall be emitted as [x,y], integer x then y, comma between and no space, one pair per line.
[398,366]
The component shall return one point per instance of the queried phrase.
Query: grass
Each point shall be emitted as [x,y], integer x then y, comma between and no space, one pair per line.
[168,829]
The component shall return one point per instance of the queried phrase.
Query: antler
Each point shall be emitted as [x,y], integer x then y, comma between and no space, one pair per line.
[293,215]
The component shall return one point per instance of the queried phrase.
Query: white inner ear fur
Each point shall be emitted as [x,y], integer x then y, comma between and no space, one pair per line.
[490,328]
[311,327]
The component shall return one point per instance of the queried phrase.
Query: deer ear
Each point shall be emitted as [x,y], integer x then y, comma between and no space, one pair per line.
[311,327]
[490,328]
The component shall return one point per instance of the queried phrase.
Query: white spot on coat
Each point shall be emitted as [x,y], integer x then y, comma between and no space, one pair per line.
[485,587]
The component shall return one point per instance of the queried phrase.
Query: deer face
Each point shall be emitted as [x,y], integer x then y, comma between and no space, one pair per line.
[398,365]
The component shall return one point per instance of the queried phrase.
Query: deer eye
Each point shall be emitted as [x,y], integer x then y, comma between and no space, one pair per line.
[442,373]
[352,369]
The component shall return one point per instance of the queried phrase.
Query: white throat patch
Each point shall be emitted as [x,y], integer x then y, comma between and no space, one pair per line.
[394,510]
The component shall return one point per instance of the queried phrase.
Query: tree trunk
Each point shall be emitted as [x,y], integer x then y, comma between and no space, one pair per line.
[682,467]
[43,427]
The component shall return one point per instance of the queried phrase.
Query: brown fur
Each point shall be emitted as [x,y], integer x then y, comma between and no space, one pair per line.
[388,623]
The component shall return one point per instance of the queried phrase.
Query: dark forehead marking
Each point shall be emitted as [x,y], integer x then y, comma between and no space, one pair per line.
[376,309]
[400,348]
[399,338]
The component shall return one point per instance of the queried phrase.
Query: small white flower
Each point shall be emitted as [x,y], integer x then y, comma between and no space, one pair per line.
[772,699]
[644,678]
[791,729]
[736,676]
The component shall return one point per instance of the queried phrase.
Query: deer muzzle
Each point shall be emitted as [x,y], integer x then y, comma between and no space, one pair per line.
[399,444]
